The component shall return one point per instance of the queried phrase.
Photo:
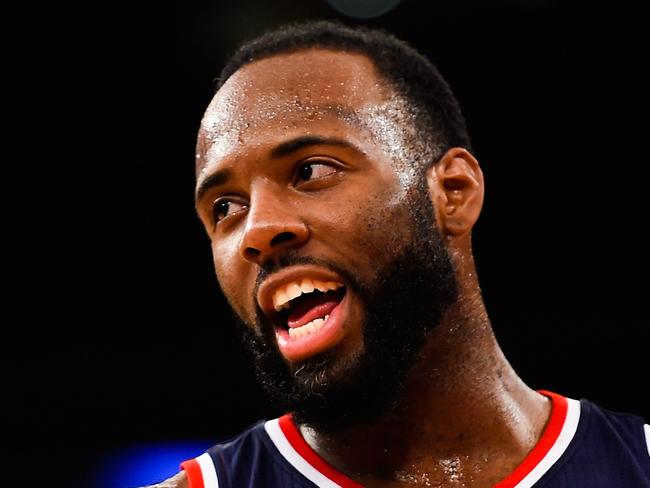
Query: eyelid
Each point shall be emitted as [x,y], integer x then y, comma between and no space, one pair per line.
[230,199]
[322,160]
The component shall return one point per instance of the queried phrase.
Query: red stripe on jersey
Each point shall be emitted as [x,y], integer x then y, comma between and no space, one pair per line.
[296,440]
[194,475]
[559,406]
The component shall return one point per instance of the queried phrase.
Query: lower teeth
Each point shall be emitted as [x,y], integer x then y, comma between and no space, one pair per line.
[307,328]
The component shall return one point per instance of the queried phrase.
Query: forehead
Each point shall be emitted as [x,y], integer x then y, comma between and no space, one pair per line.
[296,92]
[314,76]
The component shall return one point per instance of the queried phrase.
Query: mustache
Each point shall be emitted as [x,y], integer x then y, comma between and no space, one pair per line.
[294,257]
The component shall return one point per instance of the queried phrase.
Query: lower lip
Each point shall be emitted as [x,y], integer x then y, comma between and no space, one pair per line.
[326,337]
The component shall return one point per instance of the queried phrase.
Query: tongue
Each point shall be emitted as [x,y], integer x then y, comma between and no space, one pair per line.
[313,307]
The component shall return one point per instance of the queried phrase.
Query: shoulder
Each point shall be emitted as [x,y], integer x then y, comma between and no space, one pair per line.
[251,458]
[612,443]
[177,481]
[252,437]
[628,427]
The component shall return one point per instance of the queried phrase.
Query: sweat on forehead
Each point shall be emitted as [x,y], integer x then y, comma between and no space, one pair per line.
[297,72]
[298,91]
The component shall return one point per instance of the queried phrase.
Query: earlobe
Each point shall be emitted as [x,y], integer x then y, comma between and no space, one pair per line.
[456,188]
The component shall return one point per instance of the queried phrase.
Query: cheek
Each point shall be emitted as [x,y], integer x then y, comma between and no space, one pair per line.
[237,287]
[370,229]
[384,229]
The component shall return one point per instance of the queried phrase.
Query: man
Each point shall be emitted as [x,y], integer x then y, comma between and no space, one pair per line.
[336,181]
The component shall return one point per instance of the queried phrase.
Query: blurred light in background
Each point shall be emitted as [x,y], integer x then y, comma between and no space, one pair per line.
[363,9]
[144,464]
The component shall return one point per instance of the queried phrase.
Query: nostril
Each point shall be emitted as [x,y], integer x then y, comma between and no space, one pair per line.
[265,248]
[282,237]
[252,252]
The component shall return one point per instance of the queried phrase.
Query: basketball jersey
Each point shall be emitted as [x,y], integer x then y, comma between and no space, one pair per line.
[582,446]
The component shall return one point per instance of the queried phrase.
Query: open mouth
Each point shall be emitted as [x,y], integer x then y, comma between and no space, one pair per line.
[309,317]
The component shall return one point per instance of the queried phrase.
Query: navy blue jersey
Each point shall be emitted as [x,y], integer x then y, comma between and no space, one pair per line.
[582,446]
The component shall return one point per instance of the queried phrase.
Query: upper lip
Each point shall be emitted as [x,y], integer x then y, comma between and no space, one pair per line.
[286,276]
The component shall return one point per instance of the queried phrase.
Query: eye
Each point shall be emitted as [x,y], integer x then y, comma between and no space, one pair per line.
[313,171]
[225,208]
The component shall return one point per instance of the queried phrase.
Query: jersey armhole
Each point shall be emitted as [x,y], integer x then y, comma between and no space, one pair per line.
[201,472]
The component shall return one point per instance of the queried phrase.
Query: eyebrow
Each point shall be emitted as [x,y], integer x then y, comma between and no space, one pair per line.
[221,177]
[293,145]
[217,178]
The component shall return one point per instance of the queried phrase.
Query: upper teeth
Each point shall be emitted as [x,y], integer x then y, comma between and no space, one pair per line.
[283,295]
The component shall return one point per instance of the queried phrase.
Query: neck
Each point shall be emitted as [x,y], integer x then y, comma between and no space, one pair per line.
[463,416]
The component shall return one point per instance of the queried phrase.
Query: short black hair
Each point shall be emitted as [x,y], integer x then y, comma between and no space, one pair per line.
[438,115]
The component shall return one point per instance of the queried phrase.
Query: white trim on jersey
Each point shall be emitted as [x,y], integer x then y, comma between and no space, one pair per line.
[561,443]
[646,428]
[208,471]
[280,441]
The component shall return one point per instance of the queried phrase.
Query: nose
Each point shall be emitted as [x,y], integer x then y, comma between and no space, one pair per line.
[271,226]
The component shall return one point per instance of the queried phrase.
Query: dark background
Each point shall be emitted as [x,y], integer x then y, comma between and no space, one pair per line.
[121,333]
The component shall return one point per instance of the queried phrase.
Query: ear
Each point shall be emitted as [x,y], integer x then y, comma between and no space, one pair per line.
[456,188]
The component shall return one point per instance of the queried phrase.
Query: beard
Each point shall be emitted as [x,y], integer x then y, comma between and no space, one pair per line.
[403,303]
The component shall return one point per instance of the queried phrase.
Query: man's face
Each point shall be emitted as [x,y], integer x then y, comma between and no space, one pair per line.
[322,230]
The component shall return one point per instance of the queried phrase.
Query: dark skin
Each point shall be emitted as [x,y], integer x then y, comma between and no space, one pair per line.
[464,418]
